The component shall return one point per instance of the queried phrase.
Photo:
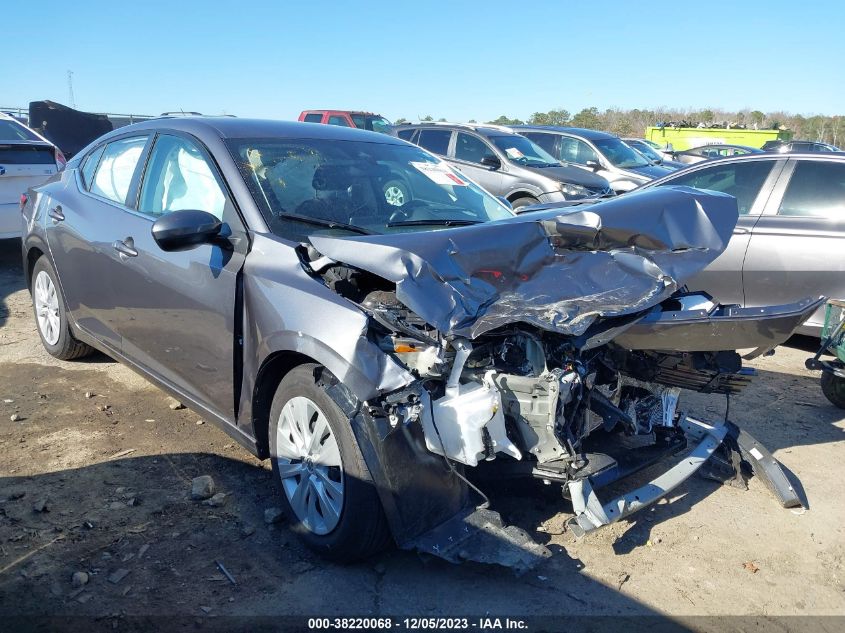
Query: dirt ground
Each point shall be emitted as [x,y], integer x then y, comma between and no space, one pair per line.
[98,450]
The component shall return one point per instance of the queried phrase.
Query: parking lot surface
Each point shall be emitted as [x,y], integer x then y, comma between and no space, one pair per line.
[96,472]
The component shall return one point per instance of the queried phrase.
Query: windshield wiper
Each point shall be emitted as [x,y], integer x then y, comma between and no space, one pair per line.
[331,224]
[433,222]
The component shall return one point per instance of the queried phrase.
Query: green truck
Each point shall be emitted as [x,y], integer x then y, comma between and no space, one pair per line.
[683,138]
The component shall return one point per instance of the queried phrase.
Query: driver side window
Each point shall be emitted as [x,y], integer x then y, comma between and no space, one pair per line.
[471,148]
[179,178]
[573,150]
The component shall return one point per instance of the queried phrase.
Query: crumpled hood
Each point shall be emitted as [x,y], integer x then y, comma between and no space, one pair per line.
[556,270]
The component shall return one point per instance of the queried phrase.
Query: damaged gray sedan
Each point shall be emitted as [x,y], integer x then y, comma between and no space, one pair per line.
[381,353]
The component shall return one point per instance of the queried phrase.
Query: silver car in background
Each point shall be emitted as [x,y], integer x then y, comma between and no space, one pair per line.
[606,155]
[27,159]
[789,241]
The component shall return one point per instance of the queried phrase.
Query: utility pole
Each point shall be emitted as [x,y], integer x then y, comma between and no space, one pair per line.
[70,89]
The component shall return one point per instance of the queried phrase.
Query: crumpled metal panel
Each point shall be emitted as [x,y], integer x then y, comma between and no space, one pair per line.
[557,271]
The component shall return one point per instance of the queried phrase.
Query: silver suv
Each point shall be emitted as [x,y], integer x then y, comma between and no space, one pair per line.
[505,163]
[605,154]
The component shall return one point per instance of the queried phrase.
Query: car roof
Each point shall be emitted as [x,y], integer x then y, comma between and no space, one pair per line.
[723,145]
[230,127]
[485,129]
[721,160]
[592,135]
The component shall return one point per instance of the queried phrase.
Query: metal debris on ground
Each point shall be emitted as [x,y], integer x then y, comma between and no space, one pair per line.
[118,575]
[225,572]
[128,451]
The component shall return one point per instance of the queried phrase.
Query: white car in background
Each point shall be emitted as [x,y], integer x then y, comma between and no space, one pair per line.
[27,159]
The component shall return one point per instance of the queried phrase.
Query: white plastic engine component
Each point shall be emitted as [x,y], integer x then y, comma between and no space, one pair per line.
[453,425]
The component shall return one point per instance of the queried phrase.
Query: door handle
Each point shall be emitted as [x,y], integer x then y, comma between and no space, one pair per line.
[125,248]
[738,230]
[56,213]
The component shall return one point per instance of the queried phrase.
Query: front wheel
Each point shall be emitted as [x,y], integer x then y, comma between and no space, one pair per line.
[524,202]
[326,487]
[396,193]
[833,388]
[51,314]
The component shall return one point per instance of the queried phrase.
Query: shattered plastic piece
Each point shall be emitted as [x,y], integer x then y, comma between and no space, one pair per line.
[481,536]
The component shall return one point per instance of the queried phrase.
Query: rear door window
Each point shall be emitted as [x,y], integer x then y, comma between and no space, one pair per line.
[740,180]
[314,117]
[113,176]
[816,189]
[435,141]
[338,120]
[406,135]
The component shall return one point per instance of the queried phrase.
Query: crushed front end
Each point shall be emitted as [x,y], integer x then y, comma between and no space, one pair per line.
[555,347]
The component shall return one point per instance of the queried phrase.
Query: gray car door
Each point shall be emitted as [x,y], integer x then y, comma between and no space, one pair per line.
[466,157]
[797,248]
[176,310]
[80,224]
[750,182]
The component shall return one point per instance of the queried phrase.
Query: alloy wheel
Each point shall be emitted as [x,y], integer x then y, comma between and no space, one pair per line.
[394,196]
[309,464]
[47,308]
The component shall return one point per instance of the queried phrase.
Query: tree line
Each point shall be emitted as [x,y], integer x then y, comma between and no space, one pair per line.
[826,129]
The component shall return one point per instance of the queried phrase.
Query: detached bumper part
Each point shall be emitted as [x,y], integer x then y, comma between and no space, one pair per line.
[591,514]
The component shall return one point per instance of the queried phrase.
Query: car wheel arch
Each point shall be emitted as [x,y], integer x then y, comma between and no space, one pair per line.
[33,254]
[521,193]
[274,368]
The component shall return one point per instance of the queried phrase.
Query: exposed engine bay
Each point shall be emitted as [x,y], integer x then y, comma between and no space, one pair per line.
[526,372]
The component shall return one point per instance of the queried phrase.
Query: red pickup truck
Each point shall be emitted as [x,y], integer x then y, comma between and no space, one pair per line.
[347,118]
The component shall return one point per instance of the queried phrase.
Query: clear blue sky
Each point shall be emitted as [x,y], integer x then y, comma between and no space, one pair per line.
[459,60]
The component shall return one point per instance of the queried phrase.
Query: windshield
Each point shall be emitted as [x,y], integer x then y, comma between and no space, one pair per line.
[645,149]
[371,122]
[307,185]
[619,154]
[523,151]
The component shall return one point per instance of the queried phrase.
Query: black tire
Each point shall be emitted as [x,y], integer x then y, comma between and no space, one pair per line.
[362,528]
[66,347]
[523,202]
[833,388]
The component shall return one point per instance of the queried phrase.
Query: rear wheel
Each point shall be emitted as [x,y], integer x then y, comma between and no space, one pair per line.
[833,388]
[327,490]
[51,315]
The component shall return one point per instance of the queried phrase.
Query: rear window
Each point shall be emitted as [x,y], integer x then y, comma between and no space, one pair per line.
[314,117]
[14,131]
[406,134]
[24,154]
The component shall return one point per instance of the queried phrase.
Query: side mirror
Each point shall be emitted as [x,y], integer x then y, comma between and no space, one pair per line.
[593,164]
[182,230]
[491,161]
